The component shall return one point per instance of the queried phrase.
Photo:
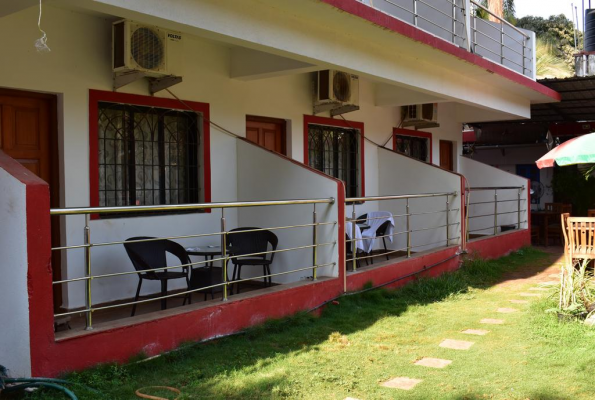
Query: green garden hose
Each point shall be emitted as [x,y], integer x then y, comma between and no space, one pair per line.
[18,384]
[32,383]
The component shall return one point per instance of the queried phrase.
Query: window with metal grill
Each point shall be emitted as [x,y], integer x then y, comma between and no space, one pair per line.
[416,147]
[335,151]
[148,155]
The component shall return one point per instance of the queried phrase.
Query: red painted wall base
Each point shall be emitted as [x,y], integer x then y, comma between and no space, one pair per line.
[402,268]
[501,245]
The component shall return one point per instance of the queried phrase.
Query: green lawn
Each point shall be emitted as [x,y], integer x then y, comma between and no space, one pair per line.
[371,337]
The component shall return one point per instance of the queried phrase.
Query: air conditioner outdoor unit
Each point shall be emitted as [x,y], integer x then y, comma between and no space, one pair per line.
[420,115]
[147,49]
[336,91]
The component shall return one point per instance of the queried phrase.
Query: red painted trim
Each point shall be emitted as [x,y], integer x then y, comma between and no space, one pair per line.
[39,268]
[17,171]
[500,245]
[51,358]
[404,267]
[410,132]
[96,96]
[341,123]
[391,23]
[156,336]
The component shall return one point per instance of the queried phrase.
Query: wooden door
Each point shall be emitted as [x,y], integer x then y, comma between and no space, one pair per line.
[446,155]
[267,132]
[28,134]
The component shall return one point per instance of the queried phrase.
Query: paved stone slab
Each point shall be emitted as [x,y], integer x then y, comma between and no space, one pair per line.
[402,383]
[539,288]
[519,301]
[456,344]
[505,310]
[492,321]
[480,332]
[529,295]
[433,362]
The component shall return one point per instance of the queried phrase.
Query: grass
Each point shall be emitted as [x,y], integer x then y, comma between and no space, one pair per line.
[371,337]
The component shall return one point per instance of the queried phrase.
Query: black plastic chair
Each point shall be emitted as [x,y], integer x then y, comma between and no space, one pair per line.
[241,243]
[381,231]
[152,255]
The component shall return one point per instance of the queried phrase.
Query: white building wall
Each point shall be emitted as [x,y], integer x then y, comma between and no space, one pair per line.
[81,60]
[483,175]
[403,175]
[507,158]
[14,313]
[260,176]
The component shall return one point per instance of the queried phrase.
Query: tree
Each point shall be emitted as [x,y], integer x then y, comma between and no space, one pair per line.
[503,8]
[548,64]
[558,31]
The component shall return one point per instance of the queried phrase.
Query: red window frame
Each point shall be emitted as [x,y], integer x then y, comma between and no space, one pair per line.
[97,96]
[339,123]
[409,132]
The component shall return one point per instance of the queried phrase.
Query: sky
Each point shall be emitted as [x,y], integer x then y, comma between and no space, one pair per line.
[545,8]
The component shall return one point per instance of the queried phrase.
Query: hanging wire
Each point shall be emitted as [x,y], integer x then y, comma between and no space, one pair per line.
[41,43]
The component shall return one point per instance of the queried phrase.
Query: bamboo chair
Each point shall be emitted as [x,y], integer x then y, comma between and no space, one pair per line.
[565,232]
[581,238]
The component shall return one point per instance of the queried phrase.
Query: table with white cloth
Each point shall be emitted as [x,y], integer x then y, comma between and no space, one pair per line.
[375,219]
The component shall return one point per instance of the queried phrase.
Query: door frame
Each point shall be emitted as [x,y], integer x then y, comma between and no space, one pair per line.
[55,181]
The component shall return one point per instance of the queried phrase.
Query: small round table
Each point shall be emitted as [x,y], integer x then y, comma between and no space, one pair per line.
[199,275]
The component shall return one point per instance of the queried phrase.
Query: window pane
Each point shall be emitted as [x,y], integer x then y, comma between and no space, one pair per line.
[147,155]
[335,151]
[416,147]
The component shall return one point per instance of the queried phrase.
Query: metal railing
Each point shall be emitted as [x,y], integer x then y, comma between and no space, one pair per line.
[510,207]
[431,12]
[223,235]
[496,33]
[408,216]
[456,21]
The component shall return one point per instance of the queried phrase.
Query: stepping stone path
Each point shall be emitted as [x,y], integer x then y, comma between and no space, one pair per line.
[405,383]
[402,383]
[505,310]
[492,321]
[479,332]
[456,344]
[433,362]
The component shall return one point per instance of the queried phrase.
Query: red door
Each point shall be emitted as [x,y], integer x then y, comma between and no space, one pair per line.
[267,132]
[446,155]
[28,134]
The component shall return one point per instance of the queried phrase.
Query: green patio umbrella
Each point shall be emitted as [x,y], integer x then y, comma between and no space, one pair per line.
[580,150]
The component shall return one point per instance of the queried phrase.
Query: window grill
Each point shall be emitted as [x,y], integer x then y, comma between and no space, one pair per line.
[335,151]
[147,155]
[412,146]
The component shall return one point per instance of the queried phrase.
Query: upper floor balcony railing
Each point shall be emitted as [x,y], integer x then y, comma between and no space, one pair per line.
[462,23]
